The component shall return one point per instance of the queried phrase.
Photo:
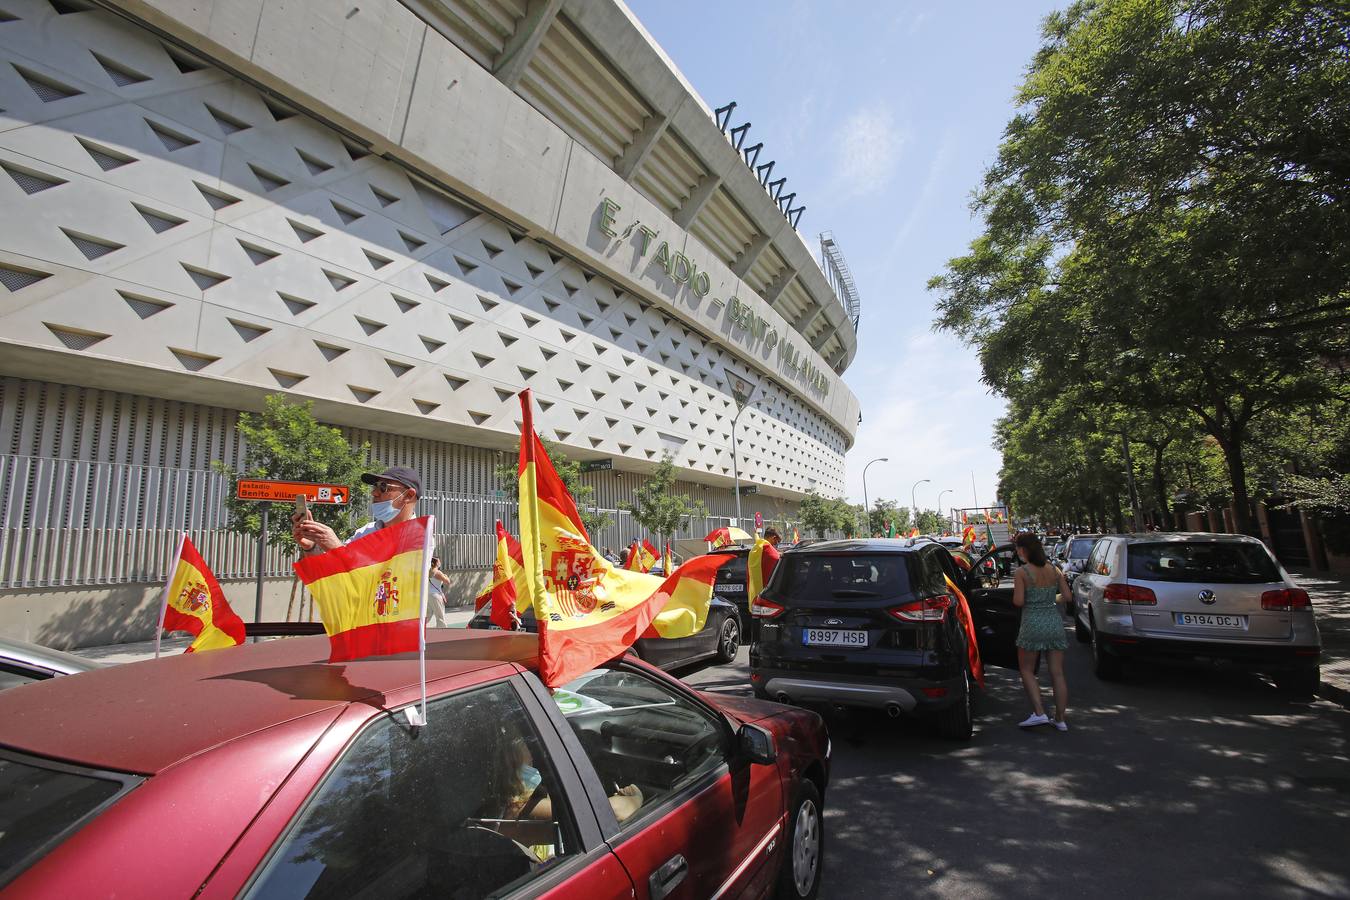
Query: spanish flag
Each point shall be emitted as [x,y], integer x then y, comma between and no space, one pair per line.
[193,602]
[968,625]
[667,561]
[641,557]
[589,611]
[755,575]
[370,591]
[968,536]
[504,593]
[796,535]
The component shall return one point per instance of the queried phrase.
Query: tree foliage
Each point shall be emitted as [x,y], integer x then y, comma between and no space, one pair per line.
[1166,227]
[285,442]
[655,505]
[823,515]
[887,512]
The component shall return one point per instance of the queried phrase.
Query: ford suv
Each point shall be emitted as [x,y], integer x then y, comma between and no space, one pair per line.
[873,623]
[1187,596]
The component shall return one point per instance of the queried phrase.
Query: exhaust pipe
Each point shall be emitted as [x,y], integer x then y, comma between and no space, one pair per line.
[893,710]
[783,698]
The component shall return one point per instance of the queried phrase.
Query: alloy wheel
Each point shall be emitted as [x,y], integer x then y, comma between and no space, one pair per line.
[731,639]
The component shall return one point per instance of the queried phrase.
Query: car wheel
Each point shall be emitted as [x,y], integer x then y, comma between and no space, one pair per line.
[1301,682]
[729,641]
[799,879]
[1080,630]
[957,722]
[1104,665]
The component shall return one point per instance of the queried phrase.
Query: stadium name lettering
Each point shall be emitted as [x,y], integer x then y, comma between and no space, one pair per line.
[683,270]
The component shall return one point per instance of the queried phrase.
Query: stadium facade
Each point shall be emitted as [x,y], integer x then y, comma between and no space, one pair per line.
[404,212]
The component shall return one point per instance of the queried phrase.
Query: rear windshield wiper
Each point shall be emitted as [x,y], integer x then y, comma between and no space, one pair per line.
[854,592]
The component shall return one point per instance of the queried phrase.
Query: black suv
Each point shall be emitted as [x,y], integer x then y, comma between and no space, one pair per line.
[873,623]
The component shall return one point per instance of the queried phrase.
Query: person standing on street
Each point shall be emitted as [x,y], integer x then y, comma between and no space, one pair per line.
[771,554]
[1038,589]
[439,583]
[393,499]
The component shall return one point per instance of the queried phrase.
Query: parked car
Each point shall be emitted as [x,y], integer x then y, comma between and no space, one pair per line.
[872,623]
[731,584]
[24,663]
[263,771]
[1074,553]
[719,640]
[1188,596]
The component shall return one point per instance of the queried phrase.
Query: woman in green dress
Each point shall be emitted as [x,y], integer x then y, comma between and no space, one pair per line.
[1039,588]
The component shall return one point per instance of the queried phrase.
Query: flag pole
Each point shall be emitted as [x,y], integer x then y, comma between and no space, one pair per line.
[168,580]
[415,718]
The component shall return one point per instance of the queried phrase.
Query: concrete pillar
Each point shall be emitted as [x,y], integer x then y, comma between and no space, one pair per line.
[1263,523]
[1227,521]
[1317,553]
[1195,521]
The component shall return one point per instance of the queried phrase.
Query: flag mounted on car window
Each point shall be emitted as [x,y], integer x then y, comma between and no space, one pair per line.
[193,602]
[588,611]
[370,591]
[504,593]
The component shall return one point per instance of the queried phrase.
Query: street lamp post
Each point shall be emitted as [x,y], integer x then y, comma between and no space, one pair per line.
[742,391]
[867,515]
[939,505]
[913,505]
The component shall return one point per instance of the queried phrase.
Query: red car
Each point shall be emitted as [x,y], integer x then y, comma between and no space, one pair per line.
[264,771]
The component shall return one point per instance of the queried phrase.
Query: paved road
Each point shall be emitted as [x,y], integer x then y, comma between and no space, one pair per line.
[1176,782]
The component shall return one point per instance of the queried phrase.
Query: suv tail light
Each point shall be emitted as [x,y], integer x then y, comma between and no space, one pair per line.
[1286,599]
[765,609]
[1132,594]
[929,609]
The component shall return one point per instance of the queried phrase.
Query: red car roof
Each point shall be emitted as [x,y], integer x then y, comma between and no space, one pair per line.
[144,717]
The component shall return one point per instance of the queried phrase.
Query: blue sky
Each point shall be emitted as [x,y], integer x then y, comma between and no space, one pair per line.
[883,116]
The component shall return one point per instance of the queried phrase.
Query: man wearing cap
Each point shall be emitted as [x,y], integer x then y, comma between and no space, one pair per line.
[393,499]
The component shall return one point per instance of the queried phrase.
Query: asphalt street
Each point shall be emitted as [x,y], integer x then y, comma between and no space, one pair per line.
[1176,782]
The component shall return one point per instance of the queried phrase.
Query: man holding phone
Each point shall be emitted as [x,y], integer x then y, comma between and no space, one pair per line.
[393,499]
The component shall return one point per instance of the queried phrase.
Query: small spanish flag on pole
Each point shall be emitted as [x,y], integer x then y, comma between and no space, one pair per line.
[503,593]
[193,602]
[667,560]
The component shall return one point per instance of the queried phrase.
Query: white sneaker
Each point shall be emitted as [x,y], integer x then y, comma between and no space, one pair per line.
[1033,720]
[1060,725]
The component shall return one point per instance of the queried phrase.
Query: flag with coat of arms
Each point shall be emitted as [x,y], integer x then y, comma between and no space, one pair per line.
[193,602]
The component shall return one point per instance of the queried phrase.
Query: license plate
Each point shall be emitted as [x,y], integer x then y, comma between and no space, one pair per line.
[1210,620]
[728,588]
[834,637]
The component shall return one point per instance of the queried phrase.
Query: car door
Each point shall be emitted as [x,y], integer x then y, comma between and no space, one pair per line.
[996,619]
[1088,586]
[707,821]
[998,643]
[482,801]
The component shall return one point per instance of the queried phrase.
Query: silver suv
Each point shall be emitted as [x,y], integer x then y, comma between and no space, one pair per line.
[1213,596]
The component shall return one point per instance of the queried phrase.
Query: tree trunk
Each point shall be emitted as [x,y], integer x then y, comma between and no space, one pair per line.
[1237,476]
[1116,515]
[1160,483]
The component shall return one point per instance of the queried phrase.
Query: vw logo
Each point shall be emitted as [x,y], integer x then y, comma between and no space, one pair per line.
[1207,597]
[841,621]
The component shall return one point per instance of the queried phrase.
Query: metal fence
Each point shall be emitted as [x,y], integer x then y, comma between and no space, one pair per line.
[70,522]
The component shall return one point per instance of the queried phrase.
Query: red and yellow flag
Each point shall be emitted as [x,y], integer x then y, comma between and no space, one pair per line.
[641,557]
[193,602]
[370,591]
[759,566]
[667,560]
[504,592]
[796,535]
[968,536]
[588,610]
[968,624]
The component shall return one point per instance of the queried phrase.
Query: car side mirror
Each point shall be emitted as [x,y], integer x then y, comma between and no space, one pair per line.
[757,745]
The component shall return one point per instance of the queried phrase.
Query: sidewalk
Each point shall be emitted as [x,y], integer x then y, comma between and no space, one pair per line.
[1331,602]
[135,652]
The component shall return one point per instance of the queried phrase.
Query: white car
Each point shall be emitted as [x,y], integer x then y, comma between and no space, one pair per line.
[1183,596]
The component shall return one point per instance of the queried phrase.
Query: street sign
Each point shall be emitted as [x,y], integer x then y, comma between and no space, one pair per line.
[597,465]
[759,520]
[749,489]
[286,491]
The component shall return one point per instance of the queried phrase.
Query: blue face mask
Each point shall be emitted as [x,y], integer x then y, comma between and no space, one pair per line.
[530,777]
[383,511]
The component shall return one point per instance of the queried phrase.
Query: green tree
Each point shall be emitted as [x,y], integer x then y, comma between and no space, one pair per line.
[657,508]
[1166,222]
[887,511]
[286,443]
[931,521]
[569,471]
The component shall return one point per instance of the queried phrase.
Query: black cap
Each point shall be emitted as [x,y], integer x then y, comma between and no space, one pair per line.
[402,474]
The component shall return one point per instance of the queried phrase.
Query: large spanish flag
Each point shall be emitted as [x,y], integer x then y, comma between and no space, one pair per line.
[755,576]
[370,591]
[193,602]
[588,610]
[505,595]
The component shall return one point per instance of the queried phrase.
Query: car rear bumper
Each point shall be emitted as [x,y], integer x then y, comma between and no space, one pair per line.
[909,696]
[1284,656]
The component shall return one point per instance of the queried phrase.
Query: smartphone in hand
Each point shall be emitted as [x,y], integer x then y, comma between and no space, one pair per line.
[302,514]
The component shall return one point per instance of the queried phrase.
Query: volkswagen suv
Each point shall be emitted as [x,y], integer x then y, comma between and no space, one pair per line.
[1187,596]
